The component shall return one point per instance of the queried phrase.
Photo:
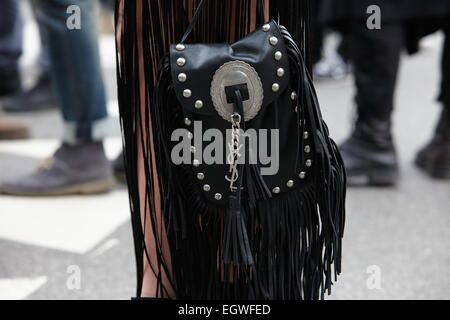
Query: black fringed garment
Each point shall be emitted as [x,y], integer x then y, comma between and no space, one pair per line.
[283,247]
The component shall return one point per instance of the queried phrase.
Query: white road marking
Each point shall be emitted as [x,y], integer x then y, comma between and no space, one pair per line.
[20,288]
[108,245]
[75,224]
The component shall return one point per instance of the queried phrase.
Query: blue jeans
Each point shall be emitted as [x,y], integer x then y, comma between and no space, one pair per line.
[76,69]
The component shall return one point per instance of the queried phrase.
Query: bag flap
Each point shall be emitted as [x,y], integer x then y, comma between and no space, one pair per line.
[194,66]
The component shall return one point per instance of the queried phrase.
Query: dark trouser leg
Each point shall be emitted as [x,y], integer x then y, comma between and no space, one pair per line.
[369,153]
[317,33]
[10,46]
[42,94]
[434,158]
[445,84]
[375,55]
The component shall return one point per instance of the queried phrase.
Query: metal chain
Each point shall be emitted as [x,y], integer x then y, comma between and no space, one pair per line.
[234,147]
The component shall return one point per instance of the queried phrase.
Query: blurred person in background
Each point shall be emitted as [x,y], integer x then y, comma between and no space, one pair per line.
[79,165]
[327,65]
[41,94]
[10,50]
[369,153]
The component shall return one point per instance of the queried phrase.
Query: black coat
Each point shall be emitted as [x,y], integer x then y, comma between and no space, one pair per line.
[421,17]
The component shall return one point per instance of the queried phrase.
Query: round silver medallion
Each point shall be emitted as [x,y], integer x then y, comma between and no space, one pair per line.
[234,73]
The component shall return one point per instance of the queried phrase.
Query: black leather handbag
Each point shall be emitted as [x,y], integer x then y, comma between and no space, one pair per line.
[235,232]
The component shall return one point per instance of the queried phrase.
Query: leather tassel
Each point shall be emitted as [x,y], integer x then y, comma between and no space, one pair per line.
[235,244]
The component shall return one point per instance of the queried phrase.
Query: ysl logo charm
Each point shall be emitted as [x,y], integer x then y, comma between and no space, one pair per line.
[234,148]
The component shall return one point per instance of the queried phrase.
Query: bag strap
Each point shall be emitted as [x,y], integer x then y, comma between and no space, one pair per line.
[198,12]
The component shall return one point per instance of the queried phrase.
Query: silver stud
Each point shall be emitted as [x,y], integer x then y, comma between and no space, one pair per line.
[182,77]
[296,109]
[198,104]
[280,72]
[218,196]
[187,93]
[293,96]
[266,27]
[305,135]
[308,163]
[206,187]
[290,184]
[307,149]
[187,121]
[200,176]
[273,41]
[302,175]
[195,163]
[275,87]
[278,55]
[190,136]
[276,190]
[180,47]
[181,62]
[192,149]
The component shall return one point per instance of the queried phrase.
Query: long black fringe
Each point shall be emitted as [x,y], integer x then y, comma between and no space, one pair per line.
[294,251]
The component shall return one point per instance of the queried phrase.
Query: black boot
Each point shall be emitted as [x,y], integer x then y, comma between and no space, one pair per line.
[41,96]
[434,158]
[369,154]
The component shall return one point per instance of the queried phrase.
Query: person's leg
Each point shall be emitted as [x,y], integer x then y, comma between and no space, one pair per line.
[434,158]
[80,164]
[369,153]
[76,67]
[445,84]
[10,46]
[41,95]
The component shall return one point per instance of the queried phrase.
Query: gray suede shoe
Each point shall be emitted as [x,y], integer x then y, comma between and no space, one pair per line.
[80,169]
